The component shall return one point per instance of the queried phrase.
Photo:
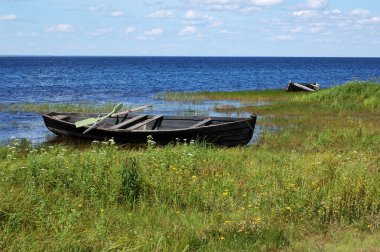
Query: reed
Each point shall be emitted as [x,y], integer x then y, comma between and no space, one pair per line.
[60,107]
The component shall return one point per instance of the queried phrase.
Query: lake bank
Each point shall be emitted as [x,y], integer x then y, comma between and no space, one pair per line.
[310,183]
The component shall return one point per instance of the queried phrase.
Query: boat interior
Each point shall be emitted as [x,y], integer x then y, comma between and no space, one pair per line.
[145,122]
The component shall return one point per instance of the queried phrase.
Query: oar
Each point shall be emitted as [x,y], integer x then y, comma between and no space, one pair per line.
[96,121]
[101,119]
[131,110]
[93,120]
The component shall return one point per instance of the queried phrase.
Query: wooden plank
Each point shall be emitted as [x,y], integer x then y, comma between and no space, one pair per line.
[201,123]
[129,122]
[131,110]
[144,122]
[61,117]
[303,87]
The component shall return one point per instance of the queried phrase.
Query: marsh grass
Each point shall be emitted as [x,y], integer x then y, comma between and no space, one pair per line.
[311,184]
[244,96]
[57,107]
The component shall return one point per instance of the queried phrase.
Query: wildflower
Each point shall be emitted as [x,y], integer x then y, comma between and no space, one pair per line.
[244,195]
[193,177]
[101,210]
[288,208]
[80,205]
[221,238]
[225,193]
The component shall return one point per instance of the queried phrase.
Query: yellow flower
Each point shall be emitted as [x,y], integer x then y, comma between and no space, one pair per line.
[101,210]
[193,177]
[221,238]
[225,193]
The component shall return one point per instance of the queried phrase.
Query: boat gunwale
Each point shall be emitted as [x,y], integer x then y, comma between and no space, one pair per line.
[229,121]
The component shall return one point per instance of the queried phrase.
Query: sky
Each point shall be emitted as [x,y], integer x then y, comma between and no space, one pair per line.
[322,28]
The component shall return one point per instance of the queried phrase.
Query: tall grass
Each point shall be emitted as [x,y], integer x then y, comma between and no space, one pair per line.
[352,95]
[189,196]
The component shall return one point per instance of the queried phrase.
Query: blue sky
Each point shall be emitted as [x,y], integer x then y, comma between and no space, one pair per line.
[191,27]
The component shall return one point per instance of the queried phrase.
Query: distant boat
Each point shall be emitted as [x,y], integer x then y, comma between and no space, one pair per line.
[225,131]
[308,87]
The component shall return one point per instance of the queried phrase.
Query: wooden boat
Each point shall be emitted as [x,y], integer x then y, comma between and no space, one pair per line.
[308,87]
[135,129]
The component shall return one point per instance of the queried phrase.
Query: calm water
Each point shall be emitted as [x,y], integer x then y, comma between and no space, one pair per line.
[137,80]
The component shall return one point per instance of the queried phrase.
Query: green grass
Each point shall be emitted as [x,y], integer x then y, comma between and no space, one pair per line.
[356,97]
[310,184]
[352,95]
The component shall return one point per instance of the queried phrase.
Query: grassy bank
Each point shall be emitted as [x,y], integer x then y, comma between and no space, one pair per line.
[310,184]
[350,98]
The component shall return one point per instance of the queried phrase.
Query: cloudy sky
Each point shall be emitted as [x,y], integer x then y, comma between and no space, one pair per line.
[190,27]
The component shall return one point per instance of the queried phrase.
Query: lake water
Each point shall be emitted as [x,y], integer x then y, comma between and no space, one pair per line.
[138,80]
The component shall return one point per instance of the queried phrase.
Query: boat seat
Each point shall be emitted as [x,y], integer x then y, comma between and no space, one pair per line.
[61,117]
[201,123]
[129,122]
[136,126]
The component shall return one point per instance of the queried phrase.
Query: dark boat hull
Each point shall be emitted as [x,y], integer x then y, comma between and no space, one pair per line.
[227,133]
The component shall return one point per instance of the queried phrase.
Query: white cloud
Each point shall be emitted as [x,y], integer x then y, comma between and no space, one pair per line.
[188,30]
[161,14]
[336,11]
[192,17]
[304,13]
[316,4]
[97,8]
[151,34]
[99,32]
[316,29]
[372,20]
[266,2]
[154,32]
[60,28]
[190,14]
[235,5]
[116,13]
[299,29]
[9,17]
[282,37]
[130,29]
[360,13]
